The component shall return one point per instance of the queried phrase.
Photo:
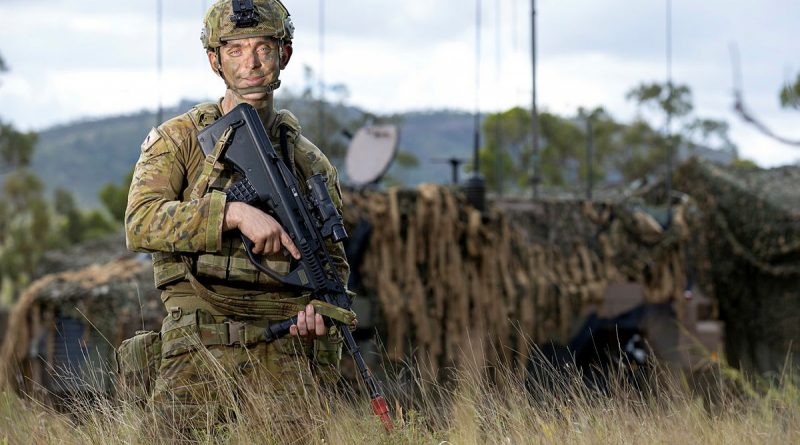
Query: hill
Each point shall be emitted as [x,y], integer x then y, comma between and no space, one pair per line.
[85,155]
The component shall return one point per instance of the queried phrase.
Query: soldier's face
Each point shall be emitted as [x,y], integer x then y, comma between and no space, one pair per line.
[252,62]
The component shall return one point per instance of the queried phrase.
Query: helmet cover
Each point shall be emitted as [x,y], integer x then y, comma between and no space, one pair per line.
[241,19]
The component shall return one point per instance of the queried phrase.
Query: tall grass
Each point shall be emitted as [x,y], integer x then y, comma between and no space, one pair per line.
[477,405]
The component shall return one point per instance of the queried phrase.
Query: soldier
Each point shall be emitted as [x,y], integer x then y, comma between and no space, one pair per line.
[217,302]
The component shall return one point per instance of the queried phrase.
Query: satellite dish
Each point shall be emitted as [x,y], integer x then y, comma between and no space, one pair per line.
[370,154]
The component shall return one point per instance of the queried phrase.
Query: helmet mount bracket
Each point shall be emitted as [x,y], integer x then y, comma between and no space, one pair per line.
[244,14]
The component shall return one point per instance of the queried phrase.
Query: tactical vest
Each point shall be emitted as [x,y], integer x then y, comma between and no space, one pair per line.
[231,266]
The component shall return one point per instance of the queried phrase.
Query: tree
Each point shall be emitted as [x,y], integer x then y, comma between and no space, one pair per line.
[663,98]
[790,94]
[691,132]
[505,156]
[115,198]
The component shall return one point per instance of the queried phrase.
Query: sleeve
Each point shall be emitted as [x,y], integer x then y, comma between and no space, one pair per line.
[156,220]
[311,161]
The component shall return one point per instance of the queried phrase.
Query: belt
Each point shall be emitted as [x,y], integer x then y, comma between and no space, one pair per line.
[231,333]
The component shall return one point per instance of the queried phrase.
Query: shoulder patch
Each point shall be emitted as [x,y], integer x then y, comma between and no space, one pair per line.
[151,139]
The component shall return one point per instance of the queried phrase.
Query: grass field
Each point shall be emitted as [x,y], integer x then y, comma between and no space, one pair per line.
[558,407]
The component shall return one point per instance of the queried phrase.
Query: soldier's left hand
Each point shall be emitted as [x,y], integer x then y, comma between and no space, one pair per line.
[309,324]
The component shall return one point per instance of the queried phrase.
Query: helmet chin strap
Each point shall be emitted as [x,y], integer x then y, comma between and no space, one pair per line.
[267,89]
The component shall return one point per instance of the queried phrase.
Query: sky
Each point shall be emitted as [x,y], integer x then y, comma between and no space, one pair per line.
[77,59]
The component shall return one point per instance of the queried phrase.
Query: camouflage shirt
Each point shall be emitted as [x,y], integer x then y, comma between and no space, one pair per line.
[164,215]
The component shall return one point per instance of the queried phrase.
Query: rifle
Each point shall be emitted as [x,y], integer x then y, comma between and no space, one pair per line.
[270,185]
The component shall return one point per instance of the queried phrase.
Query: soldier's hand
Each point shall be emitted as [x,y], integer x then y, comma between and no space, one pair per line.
[308,324]
[262,229]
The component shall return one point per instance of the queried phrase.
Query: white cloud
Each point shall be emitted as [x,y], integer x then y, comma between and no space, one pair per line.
[91,57]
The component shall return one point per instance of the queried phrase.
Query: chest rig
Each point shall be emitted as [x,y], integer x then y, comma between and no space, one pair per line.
[231,266]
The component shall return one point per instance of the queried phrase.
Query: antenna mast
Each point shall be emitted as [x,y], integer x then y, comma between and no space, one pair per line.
[534,113]
[477,127]
[475,187]
[321,73]
[668,129]
[159,64]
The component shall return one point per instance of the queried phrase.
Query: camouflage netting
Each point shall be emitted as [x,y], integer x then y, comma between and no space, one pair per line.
[454,285]
[47,328]
[751,259]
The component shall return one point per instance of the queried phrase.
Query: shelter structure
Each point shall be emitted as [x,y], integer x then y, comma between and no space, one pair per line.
[447,285]
[748,256]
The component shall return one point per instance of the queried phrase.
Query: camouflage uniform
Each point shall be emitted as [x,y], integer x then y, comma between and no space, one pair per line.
[176,210]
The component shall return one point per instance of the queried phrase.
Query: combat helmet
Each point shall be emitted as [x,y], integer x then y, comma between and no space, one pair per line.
[241,19]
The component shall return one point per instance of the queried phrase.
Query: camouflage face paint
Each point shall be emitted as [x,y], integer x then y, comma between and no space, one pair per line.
[251,68]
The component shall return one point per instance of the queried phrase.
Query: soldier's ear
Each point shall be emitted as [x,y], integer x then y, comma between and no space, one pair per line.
[286,54]
[213,62]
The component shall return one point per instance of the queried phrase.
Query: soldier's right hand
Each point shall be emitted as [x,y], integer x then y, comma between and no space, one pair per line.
[262,229]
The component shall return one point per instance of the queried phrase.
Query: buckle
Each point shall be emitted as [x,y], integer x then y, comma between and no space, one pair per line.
[235,331]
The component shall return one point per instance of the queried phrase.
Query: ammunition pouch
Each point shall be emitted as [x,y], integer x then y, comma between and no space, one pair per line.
[138,359]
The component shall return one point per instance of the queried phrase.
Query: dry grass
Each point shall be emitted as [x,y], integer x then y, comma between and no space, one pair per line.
[473,408]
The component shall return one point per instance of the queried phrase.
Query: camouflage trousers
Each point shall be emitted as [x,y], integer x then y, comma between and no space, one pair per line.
[212,367]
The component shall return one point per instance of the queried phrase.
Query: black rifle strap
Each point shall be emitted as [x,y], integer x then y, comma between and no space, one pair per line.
[284,146]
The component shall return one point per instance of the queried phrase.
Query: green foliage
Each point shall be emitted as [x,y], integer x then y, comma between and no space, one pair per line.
[563,141]
[629,151]
[115,198]
[506,154]
[744,164]
[77,225]
[16,148]
[406,159]
[643,150]
[667,98]
[24,229]
[605,142]
[790,95]
[66,208]
[710,133]
[28,226]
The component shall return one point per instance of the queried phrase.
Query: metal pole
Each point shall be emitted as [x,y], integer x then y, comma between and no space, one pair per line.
[534,112]
[322,73]
[668,181]
[455,164]
[498,74]
[589,156]
[498,157]
[477,129]
[159,64]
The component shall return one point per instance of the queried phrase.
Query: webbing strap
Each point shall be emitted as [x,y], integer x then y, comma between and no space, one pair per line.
[211,167]
[259,305]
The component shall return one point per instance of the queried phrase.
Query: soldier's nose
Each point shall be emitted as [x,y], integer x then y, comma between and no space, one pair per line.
[255,62]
